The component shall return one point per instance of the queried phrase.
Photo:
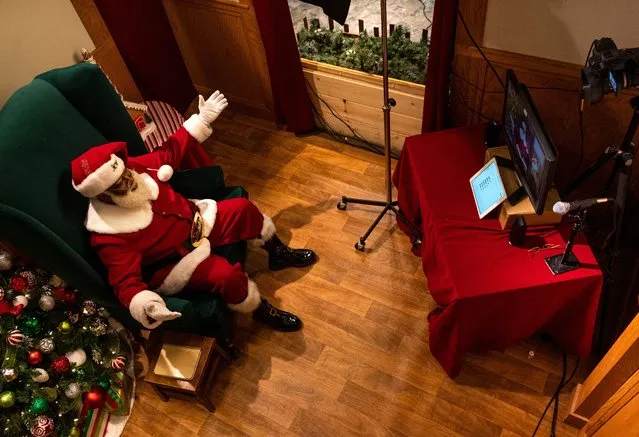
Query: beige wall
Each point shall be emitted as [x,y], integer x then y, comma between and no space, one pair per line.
[35,36]
[560,29]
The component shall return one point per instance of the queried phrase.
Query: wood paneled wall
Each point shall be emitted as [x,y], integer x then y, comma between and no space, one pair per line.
[357,98]
[222,48]
[477,95]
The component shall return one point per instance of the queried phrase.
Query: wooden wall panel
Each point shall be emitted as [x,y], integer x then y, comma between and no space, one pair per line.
[357,98]
[222,48]
[106,52]
[475,90]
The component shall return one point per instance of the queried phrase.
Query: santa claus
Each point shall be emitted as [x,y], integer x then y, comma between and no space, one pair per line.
[155,242]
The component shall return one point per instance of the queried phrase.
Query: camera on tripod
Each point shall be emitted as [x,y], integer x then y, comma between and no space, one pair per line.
[609,69]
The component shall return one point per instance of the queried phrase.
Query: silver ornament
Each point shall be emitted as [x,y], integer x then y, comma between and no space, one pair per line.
[1,293]
[77,357]
[46,289]
[46,345]
[20,300]
[73,318]
[47,303]
[40,375]
[9,374]
[102,312]
[98,327]
[89,308]
[6,260]
[72,391]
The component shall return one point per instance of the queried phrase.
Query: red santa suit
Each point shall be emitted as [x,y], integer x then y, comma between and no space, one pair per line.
[147,248]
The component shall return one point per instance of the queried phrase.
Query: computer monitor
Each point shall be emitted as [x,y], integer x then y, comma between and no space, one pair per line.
[531,149]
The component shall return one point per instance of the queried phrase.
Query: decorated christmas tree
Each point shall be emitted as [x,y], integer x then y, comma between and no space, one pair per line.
[60,358]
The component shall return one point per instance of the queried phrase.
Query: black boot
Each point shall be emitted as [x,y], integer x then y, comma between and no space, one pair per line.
[276,318]
[281,256]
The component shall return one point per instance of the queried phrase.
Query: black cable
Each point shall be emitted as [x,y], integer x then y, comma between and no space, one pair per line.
[461,17]
[365,144]
[462,101]
[555,397]
[582,138]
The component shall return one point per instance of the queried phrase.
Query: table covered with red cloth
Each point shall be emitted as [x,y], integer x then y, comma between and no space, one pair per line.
[490,295]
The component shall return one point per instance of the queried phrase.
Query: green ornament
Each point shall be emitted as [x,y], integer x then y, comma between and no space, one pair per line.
[30,324]
[7,399]
[104,383]
[80,372]
[65,327]
[39,405]
[49,393]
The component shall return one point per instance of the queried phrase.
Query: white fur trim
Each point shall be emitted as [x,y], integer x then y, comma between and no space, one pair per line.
[252,301]
[102,178]
[179,276]
[208,211]
[112,219]
[138,304]
[197,128]
[268,230]
[165,173]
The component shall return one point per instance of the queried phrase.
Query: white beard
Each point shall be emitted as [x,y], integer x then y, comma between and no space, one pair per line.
[134,198]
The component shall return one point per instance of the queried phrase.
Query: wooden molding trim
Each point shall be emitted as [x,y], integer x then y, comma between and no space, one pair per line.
[626,392]
[613,371]
[374,79]
[474,13]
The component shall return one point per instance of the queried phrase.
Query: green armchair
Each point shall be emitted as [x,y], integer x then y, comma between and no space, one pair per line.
[43,126]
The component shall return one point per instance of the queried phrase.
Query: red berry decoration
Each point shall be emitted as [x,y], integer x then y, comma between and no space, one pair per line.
[34,357]
[15,337]
[95,398]
[18,283]
[61,364]
[118,362]
[65,296]
[16,310]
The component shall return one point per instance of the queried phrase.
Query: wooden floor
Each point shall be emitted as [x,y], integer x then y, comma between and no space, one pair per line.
[361,365]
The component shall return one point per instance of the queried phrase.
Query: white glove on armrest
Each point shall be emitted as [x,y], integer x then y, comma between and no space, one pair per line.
[212,107]
[149,309]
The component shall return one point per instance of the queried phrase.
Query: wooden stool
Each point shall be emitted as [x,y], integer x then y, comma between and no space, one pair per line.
[195,389]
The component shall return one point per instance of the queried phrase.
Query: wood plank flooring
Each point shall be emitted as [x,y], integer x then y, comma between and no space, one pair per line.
[361,365]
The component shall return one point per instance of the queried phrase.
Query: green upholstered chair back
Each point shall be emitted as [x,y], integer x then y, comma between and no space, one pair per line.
[43,126]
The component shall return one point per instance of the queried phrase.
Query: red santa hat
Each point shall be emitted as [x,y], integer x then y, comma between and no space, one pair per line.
[98,168]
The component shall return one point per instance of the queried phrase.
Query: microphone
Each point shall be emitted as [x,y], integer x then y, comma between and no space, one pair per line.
[578,205]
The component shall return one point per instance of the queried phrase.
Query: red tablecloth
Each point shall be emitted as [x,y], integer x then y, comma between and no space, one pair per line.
[490,295]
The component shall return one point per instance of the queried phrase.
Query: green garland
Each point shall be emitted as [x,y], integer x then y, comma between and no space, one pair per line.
[75,327]
[406,59]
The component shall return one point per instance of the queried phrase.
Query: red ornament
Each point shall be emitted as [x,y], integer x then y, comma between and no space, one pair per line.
[34,357]
[118,362]
[18,283]
[66,296]
[95,398]
[15,337]
[43,426]
[61,364]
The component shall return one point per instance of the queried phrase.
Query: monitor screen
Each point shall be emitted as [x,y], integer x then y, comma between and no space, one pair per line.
[488,188]
[530,147]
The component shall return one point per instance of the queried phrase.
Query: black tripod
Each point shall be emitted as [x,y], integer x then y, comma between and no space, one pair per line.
[622,156]
[389,204]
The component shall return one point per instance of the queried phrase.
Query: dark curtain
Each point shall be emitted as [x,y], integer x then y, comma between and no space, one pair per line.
[440,59]
[144,37]
[292,104]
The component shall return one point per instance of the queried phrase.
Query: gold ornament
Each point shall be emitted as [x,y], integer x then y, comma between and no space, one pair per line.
[75,432]
[65,327]
[7,399]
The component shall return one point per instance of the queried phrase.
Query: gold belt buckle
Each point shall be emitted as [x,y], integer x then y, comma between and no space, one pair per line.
[197,229]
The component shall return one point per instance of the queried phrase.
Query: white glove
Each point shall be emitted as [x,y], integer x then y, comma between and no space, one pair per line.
[149,309]
[212,107]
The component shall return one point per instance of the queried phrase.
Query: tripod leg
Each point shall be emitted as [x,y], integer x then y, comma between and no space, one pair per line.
[361,245]
[416,232]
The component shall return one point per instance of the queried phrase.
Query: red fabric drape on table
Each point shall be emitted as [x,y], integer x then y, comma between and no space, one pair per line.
[144,37]
[292,104]
[440,58]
